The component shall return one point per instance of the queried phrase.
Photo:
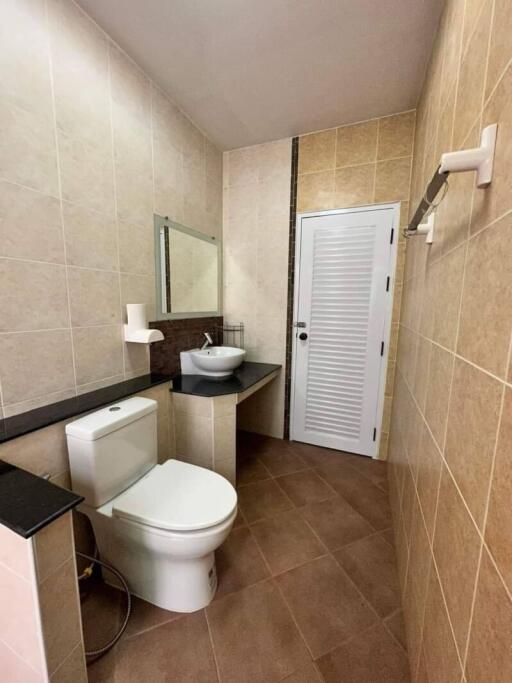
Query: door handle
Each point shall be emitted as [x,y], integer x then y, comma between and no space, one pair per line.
[303,336]
[299,324]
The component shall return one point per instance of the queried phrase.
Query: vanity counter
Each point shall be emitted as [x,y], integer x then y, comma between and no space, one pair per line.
[242,380]
[28,503]
[18,425]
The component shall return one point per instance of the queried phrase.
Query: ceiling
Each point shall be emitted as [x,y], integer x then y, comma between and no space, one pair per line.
[250,71]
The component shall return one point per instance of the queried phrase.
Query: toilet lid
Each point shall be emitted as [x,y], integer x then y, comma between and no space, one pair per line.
[179,497]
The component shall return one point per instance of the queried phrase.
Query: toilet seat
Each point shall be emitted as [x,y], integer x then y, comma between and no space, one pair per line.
[177,496]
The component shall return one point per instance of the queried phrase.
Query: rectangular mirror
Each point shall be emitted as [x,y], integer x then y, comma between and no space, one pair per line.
[188,275]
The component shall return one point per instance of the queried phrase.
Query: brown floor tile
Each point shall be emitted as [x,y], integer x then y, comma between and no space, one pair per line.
[282,459]
[145,616]
[239,520]
[336,522]
[315,456]
[250,469]
[102,609]
[239,562]
[308,674]
[369,500]
[254,636]
[286,541]
[395,623]
[177,651]
[261,500]
[305,487]
[325,603]
[374,470]
[389,536]
[371,657]
[103,670]
[371,565]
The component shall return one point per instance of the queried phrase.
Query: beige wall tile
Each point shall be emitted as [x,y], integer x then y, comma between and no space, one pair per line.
[19,618]
[456,544]
[392,180]
[274,159]
[354,185]
[475,400]
[194,439]
[356,144]
[41,452]
[451,27]
[86,171]
[34,364]
[440,651]
[30,225]
[79,51]
[496,199]
[15,669]
[315,191]
[91,238]
[396,136]
[62,629]
[486,318]
[15,552]
[136,360]
[53,546]
[136,248]
[472,77]
[317,151]
[448,295]
[98,352]
[27,148]
[138,289]
[491,626]
[33,296]
[500,50]
[440,373]
[93,297]
[499,518]
[73,668]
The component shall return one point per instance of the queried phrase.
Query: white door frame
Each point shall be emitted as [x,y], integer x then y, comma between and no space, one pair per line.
[389,303]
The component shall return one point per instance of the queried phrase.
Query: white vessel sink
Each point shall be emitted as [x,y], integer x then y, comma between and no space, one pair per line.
[214,361]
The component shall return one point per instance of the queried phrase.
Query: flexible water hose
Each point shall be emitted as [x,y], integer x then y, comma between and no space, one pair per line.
[95,654]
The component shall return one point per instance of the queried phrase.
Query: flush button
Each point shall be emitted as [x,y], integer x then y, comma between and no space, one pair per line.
[113,409]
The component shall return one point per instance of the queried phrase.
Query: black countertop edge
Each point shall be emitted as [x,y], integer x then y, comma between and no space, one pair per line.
[243,378]
[24,423]
[28,503]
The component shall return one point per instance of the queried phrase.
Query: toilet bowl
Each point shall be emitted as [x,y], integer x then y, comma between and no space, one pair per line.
[158,524]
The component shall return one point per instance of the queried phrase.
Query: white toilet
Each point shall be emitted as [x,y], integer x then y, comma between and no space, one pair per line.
[158,524]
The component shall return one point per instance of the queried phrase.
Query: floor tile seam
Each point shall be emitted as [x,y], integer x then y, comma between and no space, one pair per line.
[212,645]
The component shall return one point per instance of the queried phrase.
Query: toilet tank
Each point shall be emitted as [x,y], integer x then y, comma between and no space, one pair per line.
[111,448]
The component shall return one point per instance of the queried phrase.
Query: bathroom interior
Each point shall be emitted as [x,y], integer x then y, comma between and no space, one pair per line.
[256,341]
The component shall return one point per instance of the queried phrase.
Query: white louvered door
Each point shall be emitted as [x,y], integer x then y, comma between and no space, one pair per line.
[343,302]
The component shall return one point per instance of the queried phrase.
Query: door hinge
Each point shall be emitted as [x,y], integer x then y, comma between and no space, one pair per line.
[387,284]
[382,348]
[392,235]
[375,433]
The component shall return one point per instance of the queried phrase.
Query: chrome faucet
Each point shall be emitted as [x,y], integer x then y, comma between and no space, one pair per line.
[208,341]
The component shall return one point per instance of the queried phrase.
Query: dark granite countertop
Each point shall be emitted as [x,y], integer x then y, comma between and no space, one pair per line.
[242,379]
[12,427]
[28,503]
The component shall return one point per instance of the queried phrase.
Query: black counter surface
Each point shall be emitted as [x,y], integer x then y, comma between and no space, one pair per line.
[243,378]
[12,427]
[28,503]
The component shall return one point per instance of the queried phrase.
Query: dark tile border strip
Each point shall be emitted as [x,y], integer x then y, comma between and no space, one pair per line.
[291,276]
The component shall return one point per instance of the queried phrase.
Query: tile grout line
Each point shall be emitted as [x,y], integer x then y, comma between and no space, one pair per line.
[59,184]
[483,544]
[210,636]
